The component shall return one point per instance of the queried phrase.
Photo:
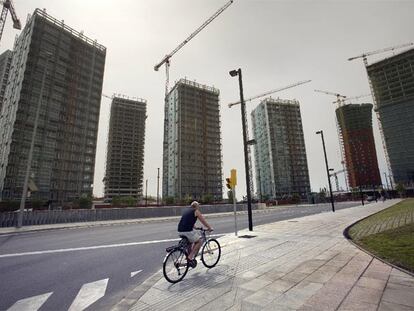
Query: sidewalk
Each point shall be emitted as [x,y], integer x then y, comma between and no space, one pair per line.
[301,264]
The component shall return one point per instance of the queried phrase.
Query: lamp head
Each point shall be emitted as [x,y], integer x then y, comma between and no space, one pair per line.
[318,132]
[233,73]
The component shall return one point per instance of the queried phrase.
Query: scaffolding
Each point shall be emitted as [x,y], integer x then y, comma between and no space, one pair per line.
[357,141]
[125,151]
[192,142]
[280,155]
[392,81]
[65,143]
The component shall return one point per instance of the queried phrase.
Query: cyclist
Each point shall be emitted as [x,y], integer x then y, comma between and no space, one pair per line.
[186,228]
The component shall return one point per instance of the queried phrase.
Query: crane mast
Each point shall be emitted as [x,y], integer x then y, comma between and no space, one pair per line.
[9,7]
[166,59]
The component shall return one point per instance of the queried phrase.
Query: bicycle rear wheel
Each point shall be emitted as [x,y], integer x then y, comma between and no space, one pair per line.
[175,266]
[210,253]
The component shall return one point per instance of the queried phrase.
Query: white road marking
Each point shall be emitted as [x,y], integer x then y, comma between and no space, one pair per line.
[88,294]
[30,304]
[135,273]
[64,250]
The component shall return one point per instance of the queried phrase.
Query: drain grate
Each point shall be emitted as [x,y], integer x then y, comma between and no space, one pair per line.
[247,236]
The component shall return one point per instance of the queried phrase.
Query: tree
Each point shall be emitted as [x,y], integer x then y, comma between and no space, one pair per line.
[207,198]
[169,200]
[400,189]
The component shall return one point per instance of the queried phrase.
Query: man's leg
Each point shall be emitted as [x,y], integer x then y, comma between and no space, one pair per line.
[195,249]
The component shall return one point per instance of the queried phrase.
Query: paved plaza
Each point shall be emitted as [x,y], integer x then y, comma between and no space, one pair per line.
[300,264]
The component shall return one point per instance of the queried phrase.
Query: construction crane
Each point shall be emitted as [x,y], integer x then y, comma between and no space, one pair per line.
[8,6]
[335,175]
[392,48]
[166,59]
[271,92]
[107,96]
[339,97]
[252,142]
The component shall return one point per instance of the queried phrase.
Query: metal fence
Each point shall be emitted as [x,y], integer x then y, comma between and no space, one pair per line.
[9,219]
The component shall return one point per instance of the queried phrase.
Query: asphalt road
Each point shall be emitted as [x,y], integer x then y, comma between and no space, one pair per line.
[95,267]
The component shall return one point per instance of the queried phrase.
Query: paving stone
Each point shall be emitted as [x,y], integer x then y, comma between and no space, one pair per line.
[262,297]
[403,296]
[372,283]
[280,285]
[255,284]
[294,276]
[389,306]
[405,280]
[274,275]
[348,305]
[364,294]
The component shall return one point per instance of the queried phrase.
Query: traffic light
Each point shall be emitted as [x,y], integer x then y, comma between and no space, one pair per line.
[228,183]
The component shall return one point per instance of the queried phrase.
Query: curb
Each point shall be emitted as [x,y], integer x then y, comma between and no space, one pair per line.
[350,240]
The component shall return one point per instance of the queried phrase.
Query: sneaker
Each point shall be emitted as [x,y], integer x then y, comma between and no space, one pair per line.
[192,263]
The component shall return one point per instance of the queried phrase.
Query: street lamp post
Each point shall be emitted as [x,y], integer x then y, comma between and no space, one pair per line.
[234,73]
[158,187]
[327,169]
[30,156]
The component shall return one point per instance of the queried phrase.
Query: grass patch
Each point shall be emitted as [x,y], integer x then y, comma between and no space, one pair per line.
[395,246]
[404,209]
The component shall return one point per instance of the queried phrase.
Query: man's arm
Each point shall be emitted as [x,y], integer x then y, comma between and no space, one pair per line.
[202,219]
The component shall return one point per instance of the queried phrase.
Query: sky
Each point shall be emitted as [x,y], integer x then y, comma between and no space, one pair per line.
[275,43]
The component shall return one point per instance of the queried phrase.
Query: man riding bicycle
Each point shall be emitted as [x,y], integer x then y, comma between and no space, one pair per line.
[186,228]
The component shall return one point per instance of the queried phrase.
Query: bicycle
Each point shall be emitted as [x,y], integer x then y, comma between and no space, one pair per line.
[176,262]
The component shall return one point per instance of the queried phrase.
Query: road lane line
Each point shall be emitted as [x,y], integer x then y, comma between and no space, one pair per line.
[30,304]
[88,294]
[135,273]
[64,250]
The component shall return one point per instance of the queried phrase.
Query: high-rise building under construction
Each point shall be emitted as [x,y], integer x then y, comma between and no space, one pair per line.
[5,63]
[192,142]
[280,154]
[61,70]
[358,145]
[392,82]
[125,152]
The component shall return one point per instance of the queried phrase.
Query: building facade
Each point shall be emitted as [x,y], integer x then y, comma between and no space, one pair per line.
[192,159]
[393,86]
[61,69]
[5,63]
[125,151]
[280,156]
[358,145]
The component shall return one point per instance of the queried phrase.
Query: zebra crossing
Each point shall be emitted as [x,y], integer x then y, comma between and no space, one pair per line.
[88,294]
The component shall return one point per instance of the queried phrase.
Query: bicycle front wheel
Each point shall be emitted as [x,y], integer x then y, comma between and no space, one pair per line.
[210,253]
[175,266]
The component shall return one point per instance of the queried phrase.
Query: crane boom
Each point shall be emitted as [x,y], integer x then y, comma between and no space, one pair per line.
[356,97]
[16,21]
[8,7]
[192,35]
[331,93]
[271,92]
[392,48]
